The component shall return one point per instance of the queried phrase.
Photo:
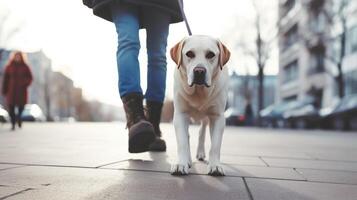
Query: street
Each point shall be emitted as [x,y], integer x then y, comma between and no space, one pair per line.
[91,161]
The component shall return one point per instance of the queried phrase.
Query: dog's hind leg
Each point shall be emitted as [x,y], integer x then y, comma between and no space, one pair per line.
[201,140]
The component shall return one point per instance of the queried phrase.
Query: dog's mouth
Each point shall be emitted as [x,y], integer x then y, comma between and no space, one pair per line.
[204,84]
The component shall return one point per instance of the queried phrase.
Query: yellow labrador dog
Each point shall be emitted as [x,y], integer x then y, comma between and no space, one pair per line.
[200,93]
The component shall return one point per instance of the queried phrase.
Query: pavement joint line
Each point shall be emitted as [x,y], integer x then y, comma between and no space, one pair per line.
[234,176]
[16,193]
[202,174]
[196,174]
[332,170]
[307,181]
[12,168]
[4,185]
[291,158]
[312,159]
[235,164]
[300,173]
[84,167]
[311,156]
[100,166]
[250,195]
[47,165]
[264,161]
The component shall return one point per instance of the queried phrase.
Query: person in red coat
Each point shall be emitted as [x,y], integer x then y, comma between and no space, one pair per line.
[17,78]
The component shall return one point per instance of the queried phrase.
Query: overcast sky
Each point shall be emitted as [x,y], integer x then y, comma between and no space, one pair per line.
[83,46]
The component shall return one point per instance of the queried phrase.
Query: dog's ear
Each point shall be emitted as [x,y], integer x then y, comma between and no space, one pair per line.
[176,52]
[224,54]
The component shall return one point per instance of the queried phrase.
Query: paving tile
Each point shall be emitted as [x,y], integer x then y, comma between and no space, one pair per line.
[255,171]
[38,177]
[165,157]
[262,172]
[329,176]
[312,164]
[268,189]
[82,144]
[68,183]
[242,160]
[144,165]
[266,152]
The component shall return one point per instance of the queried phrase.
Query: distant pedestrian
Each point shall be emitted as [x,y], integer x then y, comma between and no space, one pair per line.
[17,78]
[129,16]
[248,113]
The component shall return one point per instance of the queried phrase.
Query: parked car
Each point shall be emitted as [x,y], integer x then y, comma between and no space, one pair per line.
[343,116]
[277,115]
[273,115]
[4,115]
[234,117]
[306,116]
[32,112]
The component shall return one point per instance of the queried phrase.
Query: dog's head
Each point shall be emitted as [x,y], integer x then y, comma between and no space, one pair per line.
[200,58]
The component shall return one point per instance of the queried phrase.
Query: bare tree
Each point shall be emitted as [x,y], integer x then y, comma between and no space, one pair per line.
[264,43]
[339,17]
[336,13]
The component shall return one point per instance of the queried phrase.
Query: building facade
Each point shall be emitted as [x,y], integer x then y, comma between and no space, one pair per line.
[243,89]
[308,39]
[350,61]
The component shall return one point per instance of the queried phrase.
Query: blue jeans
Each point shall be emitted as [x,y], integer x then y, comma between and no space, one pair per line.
[127,19]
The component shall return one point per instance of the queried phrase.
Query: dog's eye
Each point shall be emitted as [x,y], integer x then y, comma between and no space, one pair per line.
[210,55]
[190,54]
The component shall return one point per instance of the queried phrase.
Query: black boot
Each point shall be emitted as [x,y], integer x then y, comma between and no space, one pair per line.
[19,121]
[141,132]
[153,114]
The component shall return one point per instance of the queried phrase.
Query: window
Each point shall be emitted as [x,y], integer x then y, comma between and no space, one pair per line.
[291,37]
[317,62]
[290,98]
[291,72]
[316,5]
[317,23]
[316,95]
[351,82]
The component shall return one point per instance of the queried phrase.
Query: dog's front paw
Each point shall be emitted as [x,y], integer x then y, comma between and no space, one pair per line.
[179,169]
[215,170]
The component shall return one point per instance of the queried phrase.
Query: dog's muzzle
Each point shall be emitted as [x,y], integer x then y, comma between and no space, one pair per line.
[199,76]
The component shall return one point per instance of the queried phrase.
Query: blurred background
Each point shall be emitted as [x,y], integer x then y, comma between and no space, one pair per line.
[293,62]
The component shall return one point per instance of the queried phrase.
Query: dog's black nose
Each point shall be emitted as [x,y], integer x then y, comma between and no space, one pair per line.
[199,75]
[199,70]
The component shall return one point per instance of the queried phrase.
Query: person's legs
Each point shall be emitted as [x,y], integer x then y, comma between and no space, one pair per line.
[12,116]
[157,24]
[126,20]
[19,120]
[127,23]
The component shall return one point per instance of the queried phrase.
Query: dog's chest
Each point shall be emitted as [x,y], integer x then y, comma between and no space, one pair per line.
[200,109]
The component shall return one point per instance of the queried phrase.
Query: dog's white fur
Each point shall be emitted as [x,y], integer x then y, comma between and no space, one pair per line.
[199,102]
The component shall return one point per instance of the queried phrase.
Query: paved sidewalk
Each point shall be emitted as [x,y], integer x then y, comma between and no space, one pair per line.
[90,161]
